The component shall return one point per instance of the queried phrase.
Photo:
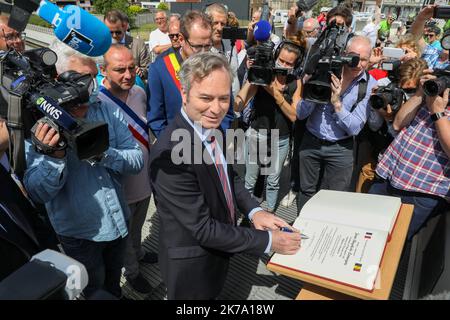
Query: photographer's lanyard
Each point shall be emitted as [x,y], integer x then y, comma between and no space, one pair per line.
[173,66]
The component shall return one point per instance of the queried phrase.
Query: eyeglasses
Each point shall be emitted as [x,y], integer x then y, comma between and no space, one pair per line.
[173,35]
[199,47]
[14,36]
[116,32]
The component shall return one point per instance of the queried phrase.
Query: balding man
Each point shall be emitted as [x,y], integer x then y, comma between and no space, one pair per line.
[85,202]
[174,34]
[119,89]
[327,145]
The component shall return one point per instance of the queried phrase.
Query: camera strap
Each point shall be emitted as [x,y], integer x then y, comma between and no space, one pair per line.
[17,135]
[362,88]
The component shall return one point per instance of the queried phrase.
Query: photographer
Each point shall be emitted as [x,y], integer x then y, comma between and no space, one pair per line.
[273,109]
[387,101]
[416,166]
[84,201]
[327,145]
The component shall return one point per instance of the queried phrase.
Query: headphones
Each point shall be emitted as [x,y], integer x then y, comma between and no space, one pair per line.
[299,60]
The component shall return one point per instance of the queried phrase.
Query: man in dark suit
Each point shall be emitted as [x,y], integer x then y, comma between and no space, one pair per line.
[197,201]
[117,23]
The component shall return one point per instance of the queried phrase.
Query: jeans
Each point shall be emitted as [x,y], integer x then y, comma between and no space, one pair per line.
[324,165]
[103,262]
[299,131]
[425,205]
[252,169]
[134,251]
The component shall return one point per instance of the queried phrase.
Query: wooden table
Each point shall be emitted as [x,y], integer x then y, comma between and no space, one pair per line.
[317,289]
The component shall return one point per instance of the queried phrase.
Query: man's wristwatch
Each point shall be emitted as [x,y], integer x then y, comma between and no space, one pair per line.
[436,116]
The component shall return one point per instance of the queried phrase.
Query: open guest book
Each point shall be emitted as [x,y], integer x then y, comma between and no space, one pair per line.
[347,235]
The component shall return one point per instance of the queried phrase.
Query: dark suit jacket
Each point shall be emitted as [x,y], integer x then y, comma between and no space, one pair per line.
[196,236]
[18,241]
[140,53]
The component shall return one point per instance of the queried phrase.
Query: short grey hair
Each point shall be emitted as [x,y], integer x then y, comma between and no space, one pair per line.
[175,15]
[66,55]
[358,38]
[201,65]
[216,7]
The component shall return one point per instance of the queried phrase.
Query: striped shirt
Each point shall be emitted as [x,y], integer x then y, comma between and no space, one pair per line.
[415,160]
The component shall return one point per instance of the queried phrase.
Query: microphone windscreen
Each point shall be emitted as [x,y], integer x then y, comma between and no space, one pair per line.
[77,28]
[262,30]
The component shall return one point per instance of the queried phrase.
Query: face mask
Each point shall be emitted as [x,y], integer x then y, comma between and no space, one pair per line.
[94,94]
[279,65]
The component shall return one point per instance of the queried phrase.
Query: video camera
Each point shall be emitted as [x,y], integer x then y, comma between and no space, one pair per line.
[437,86]
[30,81]
[263,70]
[390,94]
[327,57]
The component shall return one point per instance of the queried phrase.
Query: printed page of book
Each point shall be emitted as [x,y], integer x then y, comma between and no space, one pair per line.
[345,254]
[354,209]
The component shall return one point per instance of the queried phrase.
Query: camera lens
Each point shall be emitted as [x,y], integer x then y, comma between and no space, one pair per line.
[380,100]
[434,87]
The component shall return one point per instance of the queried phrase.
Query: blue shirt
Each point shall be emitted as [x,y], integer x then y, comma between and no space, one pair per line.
[431,56]
[84,201]
[203,134]
[325,123]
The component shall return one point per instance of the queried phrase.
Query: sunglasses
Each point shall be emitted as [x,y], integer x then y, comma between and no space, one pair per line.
[429,35]
[173,35]
[116,32]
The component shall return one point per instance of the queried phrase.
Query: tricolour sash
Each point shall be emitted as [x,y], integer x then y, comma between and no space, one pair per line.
[138,128]
[173,66]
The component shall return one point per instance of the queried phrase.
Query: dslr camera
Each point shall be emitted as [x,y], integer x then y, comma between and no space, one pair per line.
[326,57]
[437,86]
[390,94]
[33,91]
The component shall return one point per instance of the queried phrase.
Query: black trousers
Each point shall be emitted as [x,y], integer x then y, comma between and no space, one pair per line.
[324,165]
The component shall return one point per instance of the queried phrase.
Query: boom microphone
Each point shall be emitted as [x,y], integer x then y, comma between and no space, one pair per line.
[262,30]
[77,28]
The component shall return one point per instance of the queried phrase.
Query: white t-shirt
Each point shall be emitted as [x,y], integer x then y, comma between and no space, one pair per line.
[371,32]
[158,38]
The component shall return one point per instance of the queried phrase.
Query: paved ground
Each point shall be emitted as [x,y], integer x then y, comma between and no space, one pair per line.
[248,277]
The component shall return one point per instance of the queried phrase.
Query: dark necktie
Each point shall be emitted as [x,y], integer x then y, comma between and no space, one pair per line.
[221,169]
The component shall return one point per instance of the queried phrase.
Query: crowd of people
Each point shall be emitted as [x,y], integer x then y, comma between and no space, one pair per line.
[191,84]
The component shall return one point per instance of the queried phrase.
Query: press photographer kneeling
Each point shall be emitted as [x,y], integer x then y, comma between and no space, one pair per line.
[273,109]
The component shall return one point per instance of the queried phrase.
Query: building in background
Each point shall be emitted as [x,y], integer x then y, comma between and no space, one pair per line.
[84,4]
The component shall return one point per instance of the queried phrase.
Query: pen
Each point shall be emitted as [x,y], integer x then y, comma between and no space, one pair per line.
[284,229]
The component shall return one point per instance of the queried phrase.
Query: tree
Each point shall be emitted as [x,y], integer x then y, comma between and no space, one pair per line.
[162,6]
[103,6]
[319,5]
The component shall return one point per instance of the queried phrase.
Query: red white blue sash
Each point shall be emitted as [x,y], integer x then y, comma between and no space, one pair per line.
[138,128]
